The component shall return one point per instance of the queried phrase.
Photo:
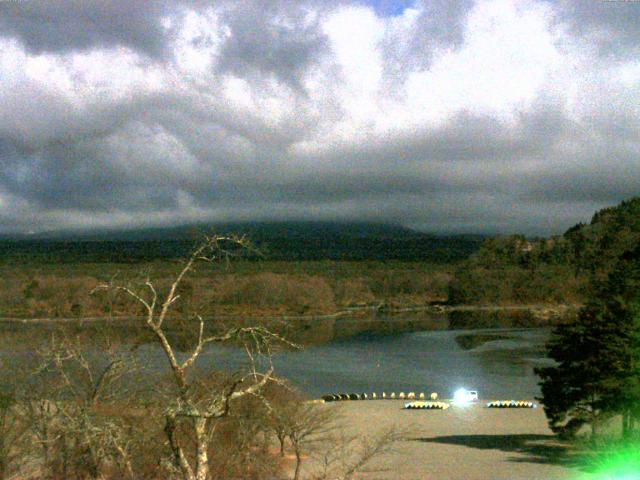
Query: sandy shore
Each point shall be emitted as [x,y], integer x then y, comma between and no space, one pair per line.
[470,443]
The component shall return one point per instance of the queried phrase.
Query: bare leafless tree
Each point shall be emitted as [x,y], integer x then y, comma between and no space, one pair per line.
[344,456]
[68,418]
[316,435]
[303,423]
[192,405]
[12,429]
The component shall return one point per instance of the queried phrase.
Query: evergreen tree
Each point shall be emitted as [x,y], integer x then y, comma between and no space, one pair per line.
[622,292]
[598,357]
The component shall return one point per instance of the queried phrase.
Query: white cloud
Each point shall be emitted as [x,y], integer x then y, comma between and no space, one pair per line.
[507,55]
[355,34]
[197,38]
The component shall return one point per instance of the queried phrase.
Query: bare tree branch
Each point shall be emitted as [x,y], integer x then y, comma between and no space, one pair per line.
[188,404]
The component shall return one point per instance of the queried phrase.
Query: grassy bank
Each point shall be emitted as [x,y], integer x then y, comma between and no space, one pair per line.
[36,290]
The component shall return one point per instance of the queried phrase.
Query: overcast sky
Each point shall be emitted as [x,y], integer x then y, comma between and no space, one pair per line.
[447,116]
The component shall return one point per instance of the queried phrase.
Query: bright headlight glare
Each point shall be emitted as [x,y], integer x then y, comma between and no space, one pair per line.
[461,396]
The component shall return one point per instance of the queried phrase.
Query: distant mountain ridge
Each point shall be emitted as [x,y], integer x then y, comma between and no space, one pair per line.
[277,240]
[295,229]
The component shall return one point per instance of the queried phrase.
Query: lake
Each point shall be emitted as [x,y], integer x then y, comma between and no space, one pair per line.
[497,362]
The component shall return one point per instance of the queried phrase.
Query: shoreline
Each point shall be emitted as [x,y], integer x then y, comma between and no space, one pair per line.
[548,312]
[309,330]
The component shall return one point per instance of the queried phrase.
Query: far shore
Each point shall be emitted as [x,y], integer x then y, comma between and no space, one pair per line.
[546,313]
[320,329]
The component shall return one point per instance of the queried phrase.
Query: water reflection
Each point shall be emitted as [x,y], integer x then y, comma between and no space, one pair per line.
[500,367]
[423,361]
[497,362]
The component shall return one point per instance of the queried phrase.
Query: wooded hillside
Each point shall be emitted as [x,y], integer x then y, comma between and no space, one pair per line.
[514,269]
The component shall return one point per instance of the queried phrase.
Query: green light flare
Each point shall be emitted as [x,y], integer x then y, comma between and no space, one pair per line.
[618,464]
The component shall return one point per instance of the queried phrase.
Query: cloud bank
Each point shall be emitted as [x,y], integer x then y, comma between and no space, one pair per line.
[468,116]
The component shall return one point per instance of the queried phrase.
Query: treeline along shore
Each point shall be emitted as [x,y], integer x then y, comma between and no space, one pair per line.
[403,271]
[297,291]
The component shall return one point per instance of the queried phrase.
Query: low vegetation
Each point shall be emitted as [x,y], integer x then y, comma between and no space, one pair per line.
[253,287]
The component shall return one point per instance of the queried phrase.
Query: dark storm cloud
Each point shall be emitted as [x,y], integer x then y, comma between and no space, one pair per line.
[83,175]
[52,26]
[600,187]
[273,40]
[271,123]
[471,156]
[32,118]
[438,25]
[612,25]
[74,176]
[606,177]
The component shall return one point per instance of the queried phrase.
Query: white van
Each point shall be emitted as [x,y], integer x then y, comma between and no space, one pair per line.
[462,396]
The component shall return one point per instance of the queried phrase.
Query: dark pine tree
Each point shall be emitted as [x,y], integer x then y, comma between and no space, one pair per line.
[622,292]
[597,371]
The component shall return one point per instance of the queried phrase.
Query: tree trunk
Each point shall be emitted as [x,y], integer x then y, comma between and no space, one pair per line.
[626,424]
[202,444]
[4,447]
[266,441]
[296,474]
[594,428]
[179,459]
[45,441]
[64,467]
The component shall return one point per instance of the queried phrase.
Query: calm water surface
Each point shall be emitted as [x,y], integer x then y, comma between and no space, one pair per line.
[497,362]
